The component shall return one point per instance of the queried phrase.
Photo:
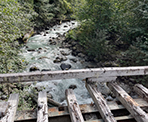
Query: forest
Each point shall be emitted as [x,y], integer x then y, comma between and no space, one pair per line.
[111,32]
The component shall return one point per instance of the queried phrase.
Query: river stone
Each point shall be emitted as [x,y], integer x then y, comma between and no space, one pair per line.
[53,43]
[31,50]
[73,86]
[57,60]
[65,66]
[3,97]
[65,26]
[60,59]
[81,55]
[74,60]
[45,70]
[40,48]
[34,68]
[65,53]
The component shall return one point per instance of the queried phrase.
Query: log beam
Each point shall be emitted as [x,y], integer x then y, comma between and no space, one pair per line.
[79,73]
[142,91]
[101,104]
[128,102]
[73,107]
[13,103]
[42,114]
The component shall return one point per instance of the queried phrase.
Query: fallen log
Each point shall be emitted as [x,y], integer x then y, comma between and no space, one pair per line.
[49,100]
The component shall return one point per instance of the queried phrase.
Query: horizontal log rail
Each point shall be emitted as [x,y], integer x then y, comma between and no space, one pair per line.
[69,74]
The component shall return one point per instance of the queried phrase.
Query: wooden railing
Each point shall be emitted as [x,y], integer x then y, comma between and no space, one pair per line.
[99,73]
[91,75]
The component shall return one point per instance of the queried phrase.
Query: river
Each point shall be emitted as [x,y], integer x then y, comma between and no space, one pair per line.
[40,53]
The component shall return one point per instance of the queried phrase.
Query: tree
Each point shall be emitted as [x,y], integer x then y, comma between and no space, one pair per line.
[14,23]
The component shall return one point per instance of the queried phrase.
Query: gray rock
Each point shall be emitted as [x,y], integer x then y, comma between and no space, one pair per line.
[65,53]
[81,55]
[57,60]
[74,60]
[53,43]
[65,66]
[31,50]
[34,68]
[3,97]
[43,70]
[60,59]
[73,86]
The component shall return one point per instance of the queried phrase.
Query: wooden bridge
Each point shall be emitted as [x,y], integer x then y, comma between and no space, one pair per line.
[125,109]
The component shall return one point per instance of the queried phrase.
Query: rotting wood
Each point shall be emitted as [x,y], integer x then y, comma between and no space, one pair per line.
[3,108]
[42,114]
[50,101]
[128,102]
[13,103]
[73,107]
[142,91]
[53,112]
[79,73]
[101,104]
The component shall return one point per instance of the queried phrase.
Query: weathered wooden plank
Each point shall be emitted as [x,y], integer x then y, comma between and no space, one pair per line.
[13,103]
[42,114]
[3,108]
[73,107]
[120,118]
[78,73]
[142,91]
[49,101]
[128,102]
[101,104]
[85,108]
[101,79]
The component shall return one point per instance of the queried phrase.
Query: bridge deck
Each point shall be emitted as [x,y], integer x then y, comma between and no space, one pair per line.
[129,109]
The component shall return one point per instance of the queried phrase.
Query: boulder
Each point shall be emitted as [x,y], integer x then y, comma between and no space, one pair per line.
[65,66]
[34,68]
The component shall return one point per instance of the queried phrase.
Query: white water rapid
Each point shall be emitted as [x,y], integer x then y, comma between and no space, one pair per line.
[40,53]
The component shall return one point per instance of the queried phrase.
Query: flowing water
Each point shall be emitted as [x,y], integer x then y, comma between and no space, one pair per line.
[40,53]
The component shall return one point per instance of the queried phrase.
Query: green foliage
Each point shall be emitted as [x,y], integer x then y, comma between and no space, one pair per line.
[64,8]
[95,17]
[14,22]
[45,10]
[112,26]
